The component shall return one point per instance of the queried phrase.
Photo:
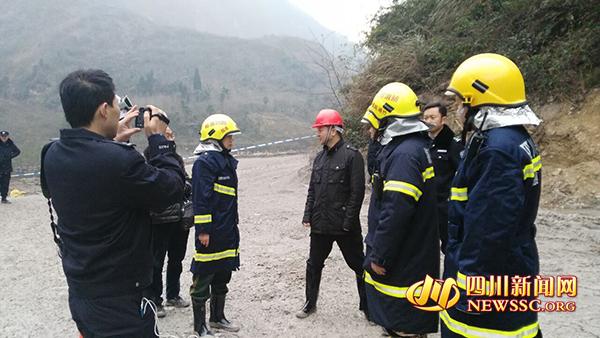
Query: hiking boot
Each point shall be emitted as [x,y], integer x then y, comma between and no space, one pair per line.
[178,302]
[160,311]
[306,310]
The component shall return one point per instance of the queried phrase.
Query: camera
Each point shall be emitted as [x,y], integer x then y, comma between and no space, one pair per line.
[124,105]
[139,120]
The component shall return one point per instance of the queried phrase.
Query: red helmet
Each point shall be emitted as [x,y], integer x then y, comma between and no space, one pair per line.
[328,117]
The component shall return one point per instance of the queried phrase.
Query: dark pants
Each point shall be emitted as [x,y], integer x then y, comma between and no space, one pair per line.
[443,225]
[204,285]
[117,317]
[169,239]
[4,182]
[351,246]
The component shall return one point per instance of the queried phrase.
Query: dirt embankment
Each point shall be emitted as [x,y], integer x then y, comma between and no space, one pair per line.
[570,143]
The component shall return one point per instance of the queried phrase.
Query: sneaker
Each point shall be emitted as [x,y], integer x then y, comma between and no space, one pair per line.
[5,201]
[178,302]
[306,311]
[160,311]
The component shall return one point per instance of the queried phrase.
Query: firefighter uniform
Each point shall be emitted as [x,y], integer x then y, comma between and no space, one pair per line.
[403,235]
[493,206]
[493,200]
[214,196]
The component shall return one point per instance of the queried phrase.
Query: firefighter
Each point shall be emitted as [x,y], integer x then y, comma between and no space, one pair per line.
[402,241]
[494,196]
[214,194]
[335,195]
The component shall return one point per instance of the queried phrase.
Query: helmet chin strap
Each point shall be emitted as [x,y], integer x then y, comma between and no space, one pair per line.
[328,136]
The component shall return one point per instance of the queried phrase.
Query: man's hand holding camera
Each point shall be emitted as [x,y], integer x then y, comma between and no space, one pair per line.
[155,122]
[125,131]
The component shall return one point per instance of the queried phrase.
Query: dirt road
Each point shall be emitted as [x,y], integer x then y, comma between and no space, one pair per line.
[269,288]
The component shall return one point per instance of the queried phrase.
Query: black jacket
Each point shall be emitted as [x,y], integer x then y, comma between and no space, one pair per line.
[174,212]
[102,192]
[445,153]
[8,151]
[336,190]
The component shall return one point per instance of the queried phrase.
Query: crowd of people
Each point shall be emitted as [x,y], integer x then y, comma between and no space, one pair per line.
[473,198]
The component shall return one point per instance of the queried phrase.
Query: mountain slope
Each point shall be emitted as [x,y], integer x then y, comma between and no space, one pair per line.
[189,74]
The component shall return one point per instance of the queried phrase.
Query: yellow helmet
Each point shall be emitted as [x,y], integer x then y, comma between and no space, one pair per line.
[217,126]
[488,80]
[392,100]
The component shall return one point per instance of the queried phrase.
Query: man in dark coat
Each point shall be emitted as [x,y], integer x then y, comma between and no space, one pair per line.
[335,195]
[445,153]
[8,151]
[102,190]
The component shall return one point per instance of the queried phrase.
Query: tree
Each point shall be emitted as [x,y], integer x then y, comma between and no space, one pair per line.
[224,94]
[197,81]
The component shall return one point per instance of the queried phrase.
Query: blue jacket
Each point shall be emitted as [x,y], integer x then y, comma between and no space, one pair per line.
[493,205]
[214,194]
[102,192]
[403,234]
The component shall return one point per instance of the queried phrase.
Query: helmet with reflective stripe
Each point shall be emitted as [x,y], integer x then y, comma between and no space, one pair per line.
[328,117]
[393,100]
[488,80]
[217,126]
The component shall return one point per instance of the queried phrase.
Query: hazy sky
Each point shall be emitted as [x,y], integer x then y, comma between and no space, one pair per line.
[348,17]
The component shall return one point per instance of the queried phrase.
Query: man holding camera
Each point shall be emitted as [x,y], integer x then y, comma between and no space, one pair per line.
[102,190]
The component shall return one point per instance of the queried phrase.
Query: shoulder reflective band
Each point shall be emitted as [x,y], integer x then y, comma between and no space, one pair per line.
[428,173]
[201,219]
[223,189]
[209,257]
[458,194]
[389,290]
[403,187]
[474,331]
[532,168]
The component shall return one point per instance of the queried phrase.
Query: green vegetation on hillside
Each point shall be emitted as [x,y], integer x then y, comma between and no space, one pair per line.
[556,44]
[188,73]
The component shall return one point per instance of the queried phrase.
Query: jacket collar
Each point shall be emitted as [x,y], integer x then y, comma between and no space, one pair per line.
[80,133]
[444,138]
[337,146]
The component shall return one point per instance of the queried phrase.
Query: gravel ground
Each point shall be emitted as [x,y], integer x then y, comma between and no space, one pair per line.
[269,287]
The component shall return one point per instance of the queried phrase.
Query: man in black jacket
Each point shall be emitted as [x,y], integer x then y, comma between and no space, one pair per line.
[335,196]
[8,151]
[102,191]
[445,153]
[170,237]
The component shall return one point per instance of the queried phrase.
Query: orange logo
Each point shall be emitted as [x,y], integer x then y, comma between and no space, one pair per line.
[440,295]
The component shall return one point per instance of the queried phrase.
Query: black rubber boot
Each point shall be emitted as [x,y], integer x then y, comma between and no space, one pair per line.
[217,315]
[313,280]
[362,296]
[200,319]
